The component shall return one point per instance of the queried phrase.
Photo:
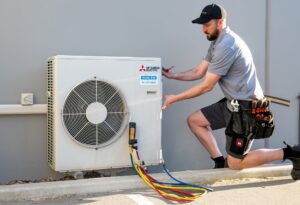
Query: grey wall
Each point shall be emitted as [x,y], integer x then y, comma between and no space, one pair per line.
[283,69]
[33,30]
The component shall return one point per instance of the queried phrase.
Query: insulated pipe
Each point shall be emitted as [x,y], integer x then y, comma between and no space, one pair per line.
[18,109]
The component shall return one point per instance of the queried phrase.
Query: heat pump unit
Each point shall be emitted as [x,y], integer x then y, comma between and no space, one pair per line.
[91,101]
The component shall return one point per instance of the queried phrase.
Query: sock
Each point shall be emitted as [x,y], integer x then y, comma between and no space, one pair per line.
[219,162]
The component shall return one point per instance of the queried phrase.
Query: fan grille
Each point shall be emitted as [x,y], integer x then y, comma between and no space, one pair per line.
[81,128]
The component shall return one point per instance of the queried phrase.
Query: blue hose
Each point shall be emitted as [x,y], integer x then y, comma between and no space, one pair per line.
[134,166]
[184,183]
[169,174]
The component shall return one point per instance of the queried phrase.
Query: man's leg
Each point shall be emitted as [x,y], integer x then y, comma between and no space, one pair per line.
[263,156]
[199,125]
[255,158]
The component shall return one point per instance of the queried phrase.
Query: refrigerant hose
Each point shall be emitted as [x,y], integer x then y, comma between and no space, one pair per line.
[178,191]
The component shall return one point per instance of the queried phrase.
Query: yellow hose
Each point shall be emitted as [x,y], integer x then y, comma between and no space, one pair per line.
[158,186]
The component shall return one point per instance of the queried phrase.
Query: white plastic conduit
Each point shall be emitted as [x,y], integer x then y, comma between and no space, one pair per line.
[18,109]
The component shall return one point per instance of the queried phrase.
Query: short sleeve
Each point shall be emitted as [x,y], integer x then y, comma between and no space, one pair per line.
[209,53]
[221,60]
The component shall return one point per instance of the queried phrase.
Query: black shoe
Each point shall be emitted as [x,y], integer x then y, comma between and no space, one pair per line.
[221,165]
[219,162]
[217,166]
[294,156]
[226,163]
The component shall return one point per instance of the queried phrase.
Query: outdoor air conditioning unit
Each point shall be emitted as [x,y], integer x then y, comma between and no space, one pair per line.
[91,101]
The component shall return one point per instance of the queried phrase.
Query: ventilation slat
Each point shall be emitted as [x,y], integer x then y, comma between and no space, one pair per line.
[50,111]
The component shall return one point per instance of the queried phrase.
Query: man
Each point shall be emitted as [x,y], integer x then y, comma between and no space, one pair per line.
[229,63]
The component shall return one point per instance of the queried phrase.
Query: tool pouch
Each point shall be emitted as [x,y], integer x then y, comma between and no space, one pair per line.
[240,124]
[240,130]
[245,125]
[264,127]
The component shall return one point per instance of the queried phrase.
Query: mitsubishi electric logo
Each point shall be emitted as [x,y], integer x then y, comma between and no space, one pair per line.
[142,68]
[149,68]
[149,75]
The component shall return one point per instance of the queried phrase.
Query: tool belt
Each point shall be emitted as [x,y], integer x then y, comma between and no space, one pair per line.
[251,119]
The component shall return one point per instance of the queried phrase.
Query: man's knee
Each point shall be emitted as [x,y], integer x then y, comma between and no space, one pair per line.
[234,163]
[197,119]
[192,120]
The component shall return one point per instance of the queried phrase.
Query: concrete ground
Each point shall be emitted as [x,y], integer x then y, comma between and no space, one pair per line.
[261,185]
[246,191]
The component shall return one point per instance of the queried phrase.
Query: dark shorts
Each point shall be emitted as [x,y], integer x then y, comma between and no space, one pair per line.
[218,115]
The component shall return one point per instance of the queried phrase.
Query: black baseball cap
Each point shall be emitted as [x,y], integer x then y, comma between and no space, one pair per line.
[212,11]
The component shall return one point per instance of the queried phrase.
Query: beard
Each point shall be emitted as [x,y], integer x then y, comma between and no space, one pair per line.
[213,36]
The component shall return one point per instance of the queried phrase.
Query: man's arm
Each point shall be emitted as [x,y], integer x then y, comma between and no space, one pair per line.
[192,74]
[207,85]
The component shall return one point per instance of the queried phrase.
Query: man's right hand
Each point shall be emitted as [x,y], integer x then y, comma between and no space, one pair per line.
[167,72]
[169,100]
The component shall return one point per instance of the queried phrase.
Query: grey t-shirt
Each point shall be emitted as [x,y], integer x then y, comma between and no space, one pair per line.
[230,57]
